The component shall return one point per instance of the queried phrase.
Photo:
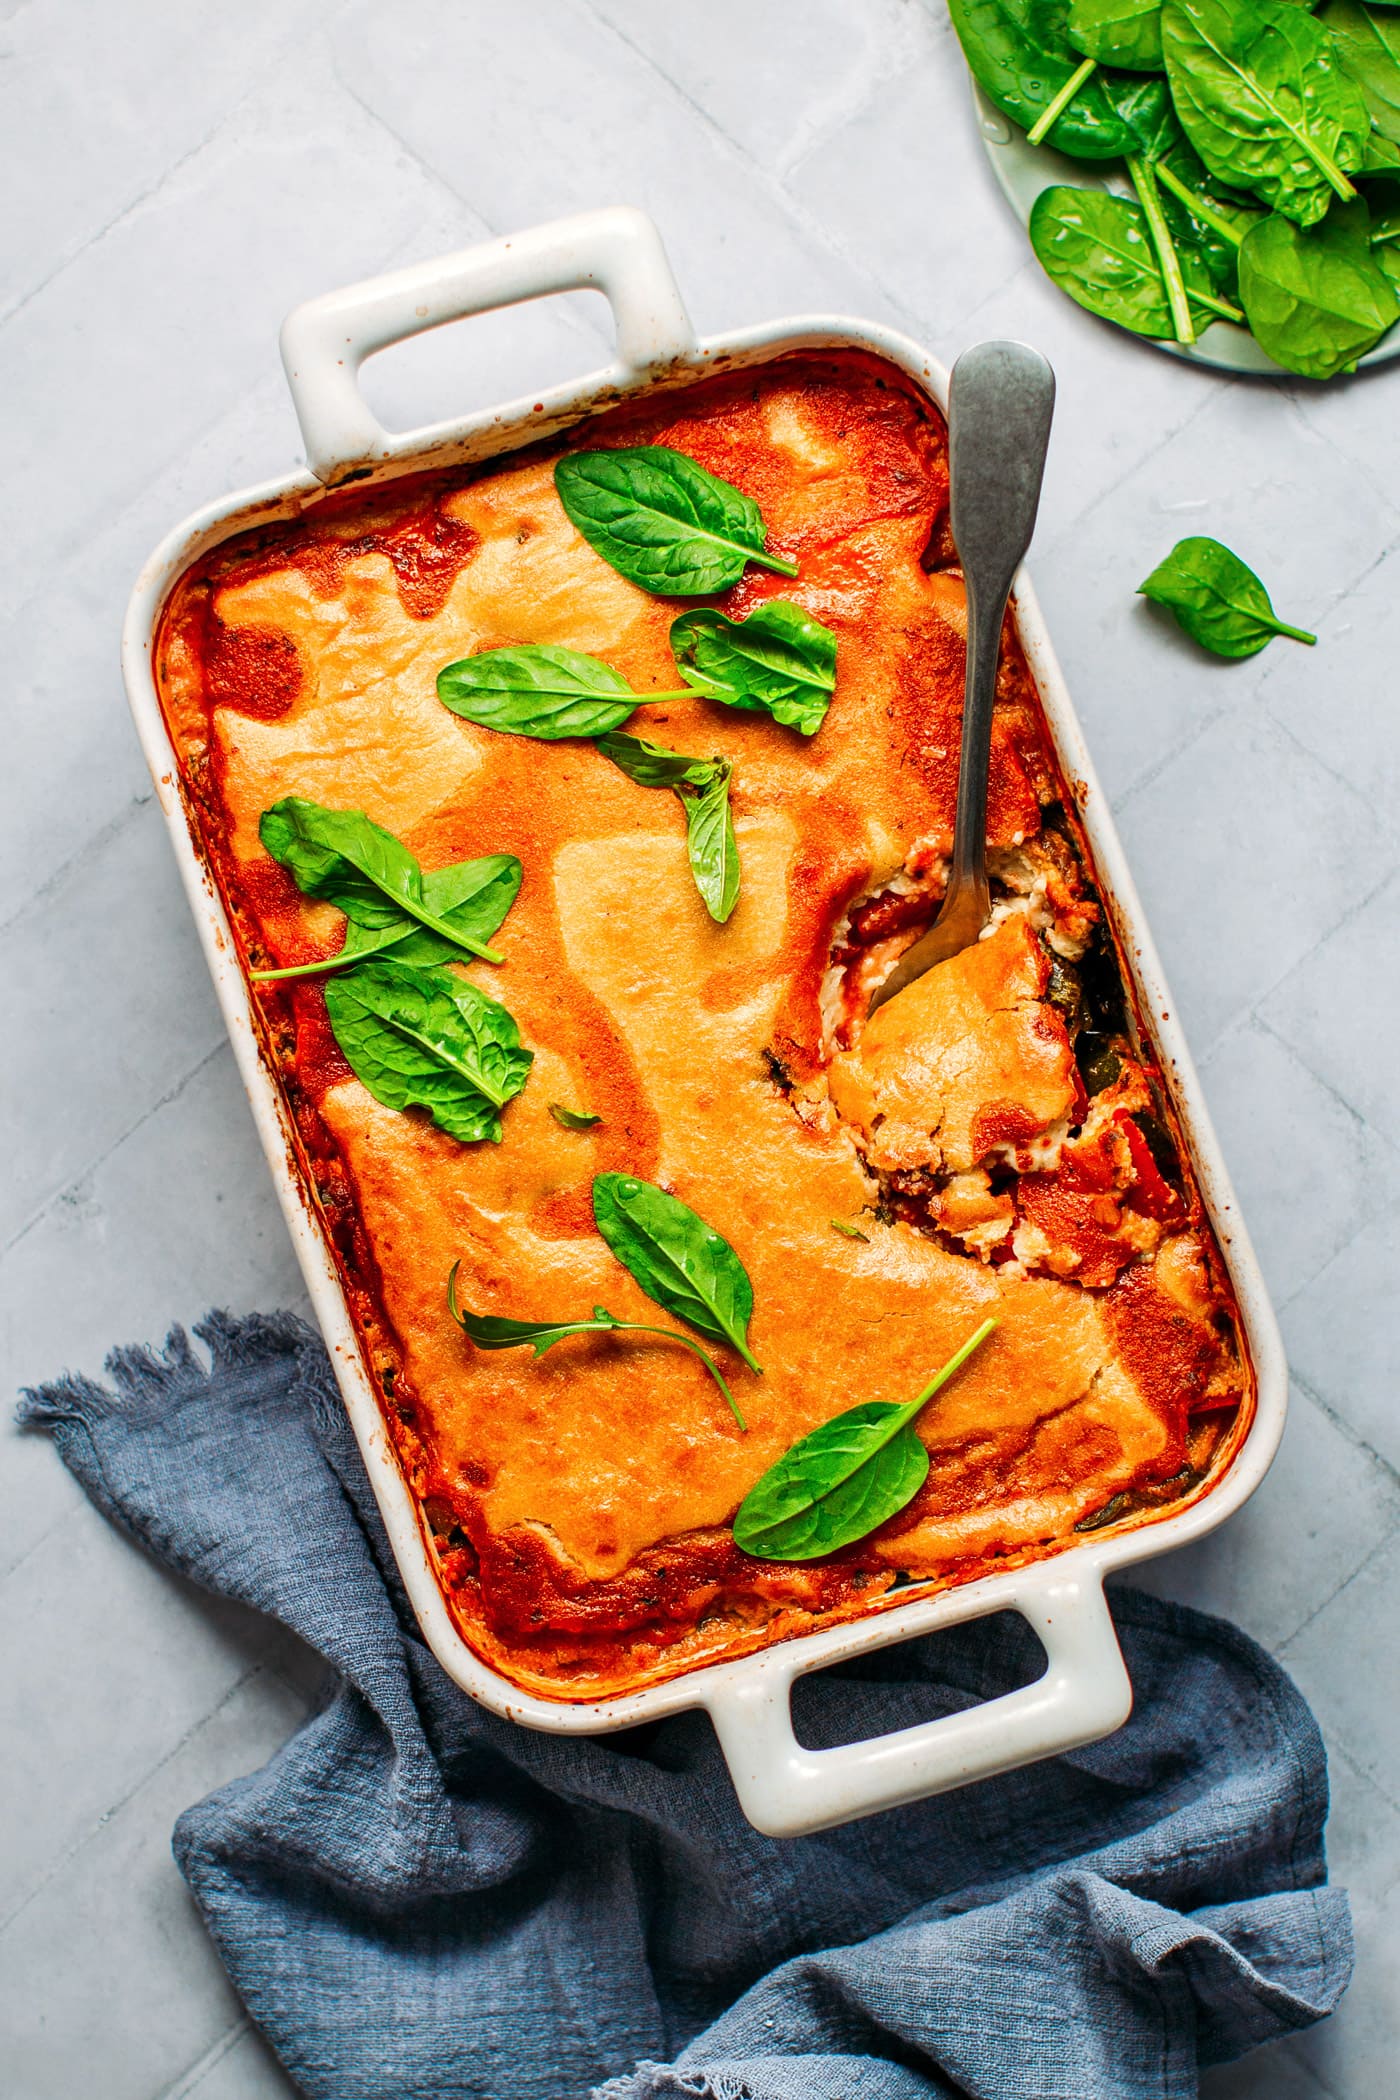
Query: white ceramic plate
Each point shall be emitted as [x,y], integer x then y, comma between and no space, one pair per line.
[1024,171]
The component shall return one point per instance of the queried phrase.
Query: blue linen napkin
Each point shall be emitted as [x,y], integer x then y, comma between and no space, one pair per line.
[420,1901]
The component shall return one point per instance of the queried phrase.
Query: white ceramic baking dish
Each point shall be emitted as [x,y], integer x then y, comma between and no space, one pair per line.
[784,1788]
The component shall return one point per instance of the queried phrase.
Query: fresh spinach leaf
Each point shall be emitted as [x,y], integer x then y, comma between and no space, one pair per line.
[1023,61]
[702,786]
[652,765]
[1217,599]
[839,1483]
[427,1039]
[1126,33]
[489,1331]
[572,1118]
[688,1268]
[1264,101]
[711,845]
[1098,248]
[1385,236]
[779,661]
[1368,46]
[662,521]
[341,856]
[540,690]
[1202,222]
[1318,297]
[471,896]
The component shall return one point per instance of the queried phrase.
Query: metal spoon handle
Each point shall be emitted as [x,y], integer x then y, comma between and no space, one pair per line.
[1000,401]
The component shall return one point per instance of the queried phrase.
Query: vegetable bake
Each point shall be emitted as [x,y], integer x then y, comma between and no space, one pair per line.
[566,811]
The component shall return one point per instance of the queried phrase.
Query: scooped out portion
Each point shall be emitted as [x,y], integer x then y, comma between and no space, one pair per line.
[970,1056]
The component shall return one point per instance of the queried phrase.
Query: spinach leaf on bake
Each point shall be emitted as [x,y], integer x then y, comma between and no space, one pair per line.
[663,521]
[683,1264]
[710,843]
[427,1039]
[339,855]
[779,661]
[573,1118]
[490,1331]
[540,690]
[702,786]
[839,1483]
[471,898]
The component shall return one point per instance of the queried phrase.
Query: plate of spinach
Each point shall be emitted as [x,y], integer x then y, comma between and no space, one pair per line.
[1220,177]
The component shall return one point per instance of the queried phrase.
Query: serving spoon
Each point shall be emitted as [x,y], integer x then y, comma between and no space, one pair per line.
[1000,400]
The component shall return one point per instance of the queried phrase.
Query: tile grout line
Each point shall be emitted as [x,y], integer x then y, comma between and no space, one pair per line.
[1363,1122]
[94,1166]
[65,1859]
[1345,1429]
[1281,1648]
[191,2079]
[276,59]
[95,841]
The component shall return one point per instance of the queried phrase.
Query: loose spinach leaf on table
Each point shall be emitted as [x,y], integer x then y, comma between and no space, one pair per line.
[1217,598]
[471,897]
[839,1483]
[664,522]
[342,857]
[779,661]
[1098,248]
[1264,101]
[426,1039]
[702,786]
[1317,297]
[1368,46]
[1022,59]
[489,1331]
[688,1268]
[1126,33]
[539,690]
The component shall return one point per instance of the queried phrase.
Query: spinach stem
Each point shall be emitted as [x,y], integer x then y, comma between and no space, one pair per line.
[608,1325]
[778,562]
[1168,261]
[671,1335]
[1347,191]
[1295,634]
[1052,110]
[1218,306]
[940,1378]
[339,960]
[1197,205]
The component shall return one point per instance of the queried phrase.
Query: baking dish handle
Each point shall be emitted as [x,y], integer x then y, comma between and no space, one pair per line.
[617,252]
[786,1790]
